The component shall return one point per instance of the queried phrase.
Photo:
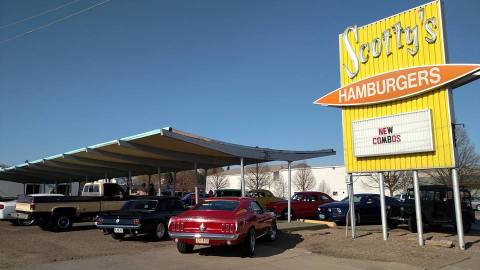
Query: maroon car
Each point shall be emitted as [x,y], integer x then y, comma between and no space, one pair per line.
[304,205]
[223,221]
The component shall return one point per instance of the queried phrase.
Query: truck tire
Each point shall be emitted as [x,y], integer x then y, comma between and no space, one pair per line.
[159,231]
[44,222]
[62,221]
[184,248]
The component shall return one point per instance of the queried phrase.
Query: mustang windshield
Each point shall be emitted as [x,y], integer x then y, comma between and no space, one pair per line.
[217,205]
[139,205]
[356,199]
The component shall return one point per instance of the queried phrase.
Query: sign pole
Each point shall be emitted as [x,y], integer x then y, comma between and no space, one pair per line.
[383,209]
[289,191]
[418,208]
[458,208]
[242,177]
[351,203]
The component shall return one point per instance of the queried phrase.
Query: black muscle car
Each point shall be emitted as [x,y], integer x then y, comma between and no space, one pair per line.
[148,215]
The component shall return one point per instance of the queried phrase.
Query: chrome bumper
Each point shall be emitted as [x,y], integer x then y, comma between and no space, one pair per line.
[211,236]
[111,226]
[17,215]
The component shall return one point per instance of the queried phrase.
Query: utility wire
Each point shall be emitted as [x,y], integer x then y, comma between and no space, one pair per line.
[54,22]
[39,14]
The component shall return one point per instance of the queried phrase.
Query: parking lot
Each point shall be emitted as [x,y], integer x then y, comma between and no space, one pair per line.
[85,247]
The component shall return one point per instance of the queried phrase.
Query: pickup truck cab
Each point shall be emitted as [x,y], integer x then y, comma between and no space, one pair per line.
[60,212]
[437,208]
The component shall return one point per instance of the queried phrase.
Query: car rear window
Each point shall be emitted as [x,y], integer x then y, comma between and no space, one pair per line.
[217,205]
[140,205]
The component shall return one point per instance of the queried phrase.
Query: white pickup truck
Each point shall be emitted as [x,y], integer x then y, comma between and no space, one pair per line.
[60,212]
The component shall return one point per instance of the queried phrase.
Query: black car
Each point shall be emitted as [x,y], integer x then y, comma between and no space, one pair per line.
[367,209]
[437,208]
[146,215]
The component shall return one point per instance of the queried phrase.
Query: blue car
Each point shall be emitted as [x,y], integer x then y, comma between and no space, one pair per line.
[367,209]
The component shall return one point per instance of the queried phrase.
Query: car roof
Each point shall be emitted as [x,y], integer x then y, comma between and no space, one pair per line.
[228,198]
[310,192]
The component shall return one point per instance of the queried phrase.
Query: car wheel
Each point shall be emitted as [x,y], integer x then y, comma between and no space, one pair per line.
[118,236]
[412,224]
[249,244]
[285,214]
[467,224]
[62,222]
[272,232]
[184,247]
[392,224]
[160,231]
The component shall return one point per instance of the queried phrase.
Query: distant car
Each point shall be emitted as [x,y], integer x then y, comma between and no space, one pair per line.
[476,203]
[304,205]
[189,198]
[7,207]
[228,193]
[367,209]
[263,196]
[400,197]
[223,221]
[146,215]
[437,208]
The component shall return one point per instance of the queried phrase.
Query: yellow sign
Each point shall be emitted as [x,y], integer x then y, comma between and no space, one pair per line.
[410,39]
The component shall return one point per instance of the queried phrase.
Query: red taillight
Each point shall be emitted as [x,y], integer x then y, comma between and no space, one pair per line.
[136,221]
[176,226]
[2,206]
[32,206]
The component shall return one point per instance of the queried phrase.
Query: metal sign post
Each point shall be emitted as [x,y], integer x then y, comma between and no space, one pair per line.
[418,208]
[351,202]
[458,209]
[289,191]
[383,208]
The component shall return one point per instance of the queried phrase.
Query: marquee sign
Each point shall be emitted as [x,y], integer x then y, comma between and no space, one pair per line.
[395,85]
[395,134]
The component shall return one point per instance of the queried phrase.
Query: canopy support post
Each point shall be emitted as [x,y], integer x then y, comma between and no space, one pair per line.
[418,208]
[159,181]
[351,204]
[196,182]
[289,191]
[242,176]
[129,182]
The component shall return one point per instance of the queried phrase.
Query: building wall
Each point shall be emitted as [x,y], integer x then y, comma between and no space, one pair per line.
[329,179]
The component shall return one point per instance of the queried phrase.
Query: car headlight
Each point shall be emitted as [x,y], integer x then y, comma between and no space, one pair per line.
[329,210]
[339,211]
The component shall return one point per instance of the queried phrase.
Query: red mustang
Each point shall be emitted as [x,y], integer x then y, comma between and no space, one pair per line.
[223,221]
[304,205]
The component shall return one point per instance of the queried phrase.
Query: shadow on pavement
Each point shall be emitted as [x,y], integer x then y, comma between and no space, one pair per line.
[285,241]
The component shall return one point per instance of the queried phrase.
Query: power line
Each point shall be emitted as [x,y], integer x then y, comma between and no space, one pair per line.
[54,22]
[39,14]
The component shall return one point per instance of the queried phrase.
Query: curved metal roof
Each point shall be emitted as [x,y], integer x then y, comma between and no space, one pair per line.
[167,149]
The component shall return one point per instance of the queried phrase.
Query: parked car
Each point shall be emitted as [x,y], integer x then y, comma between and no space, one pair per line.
[263,196]
[400,197]
[303,204]
[146,215]
[476,203]
[437,208]
[223,221]
[9,213]
[60,212]
[228,193]
[367,209]
[189,198]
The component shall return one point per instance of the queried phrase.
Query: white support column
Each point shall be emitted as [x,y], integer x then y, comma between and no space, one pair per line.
[418,208]
[242,177]
[289,207]
[196,181]
[351,204]
[196,195]
[159,181]
[383,208]
[129,182]
[458,209]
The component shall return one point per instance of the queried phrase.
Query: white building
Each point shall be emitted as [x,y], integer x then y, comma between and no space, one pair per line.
[328,179]
[13,189]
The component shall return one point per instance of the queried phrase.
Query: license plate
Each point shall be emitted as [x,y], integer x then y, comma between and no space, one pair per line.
[321,216]
[202,241]
[118,230]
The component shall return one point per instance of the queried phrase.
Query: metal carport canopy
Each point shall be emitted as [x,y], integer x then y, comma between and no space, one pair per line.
[165,149]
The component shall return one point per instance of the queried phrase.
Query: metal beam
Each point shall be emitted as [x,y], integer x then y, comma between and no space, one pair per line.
[179,156]
[39,174]
[21,178]
[148,161]
[65,172]
[98,170]
[110,164]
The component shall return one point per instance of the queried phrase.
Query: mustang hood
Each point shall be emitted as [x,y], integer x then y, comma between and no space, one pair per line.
[342,204]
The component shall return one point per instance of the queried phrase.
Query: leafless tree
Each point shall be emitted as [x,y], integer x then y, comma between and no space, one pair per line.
[393,181]
[185,181]
[324,187]
[280,187]
[468,164]
[258,176]
[216,178]
[304,179]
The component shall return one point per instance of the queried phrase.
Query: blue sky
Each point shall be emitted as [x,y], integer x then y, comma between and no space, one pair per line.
[241,71]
